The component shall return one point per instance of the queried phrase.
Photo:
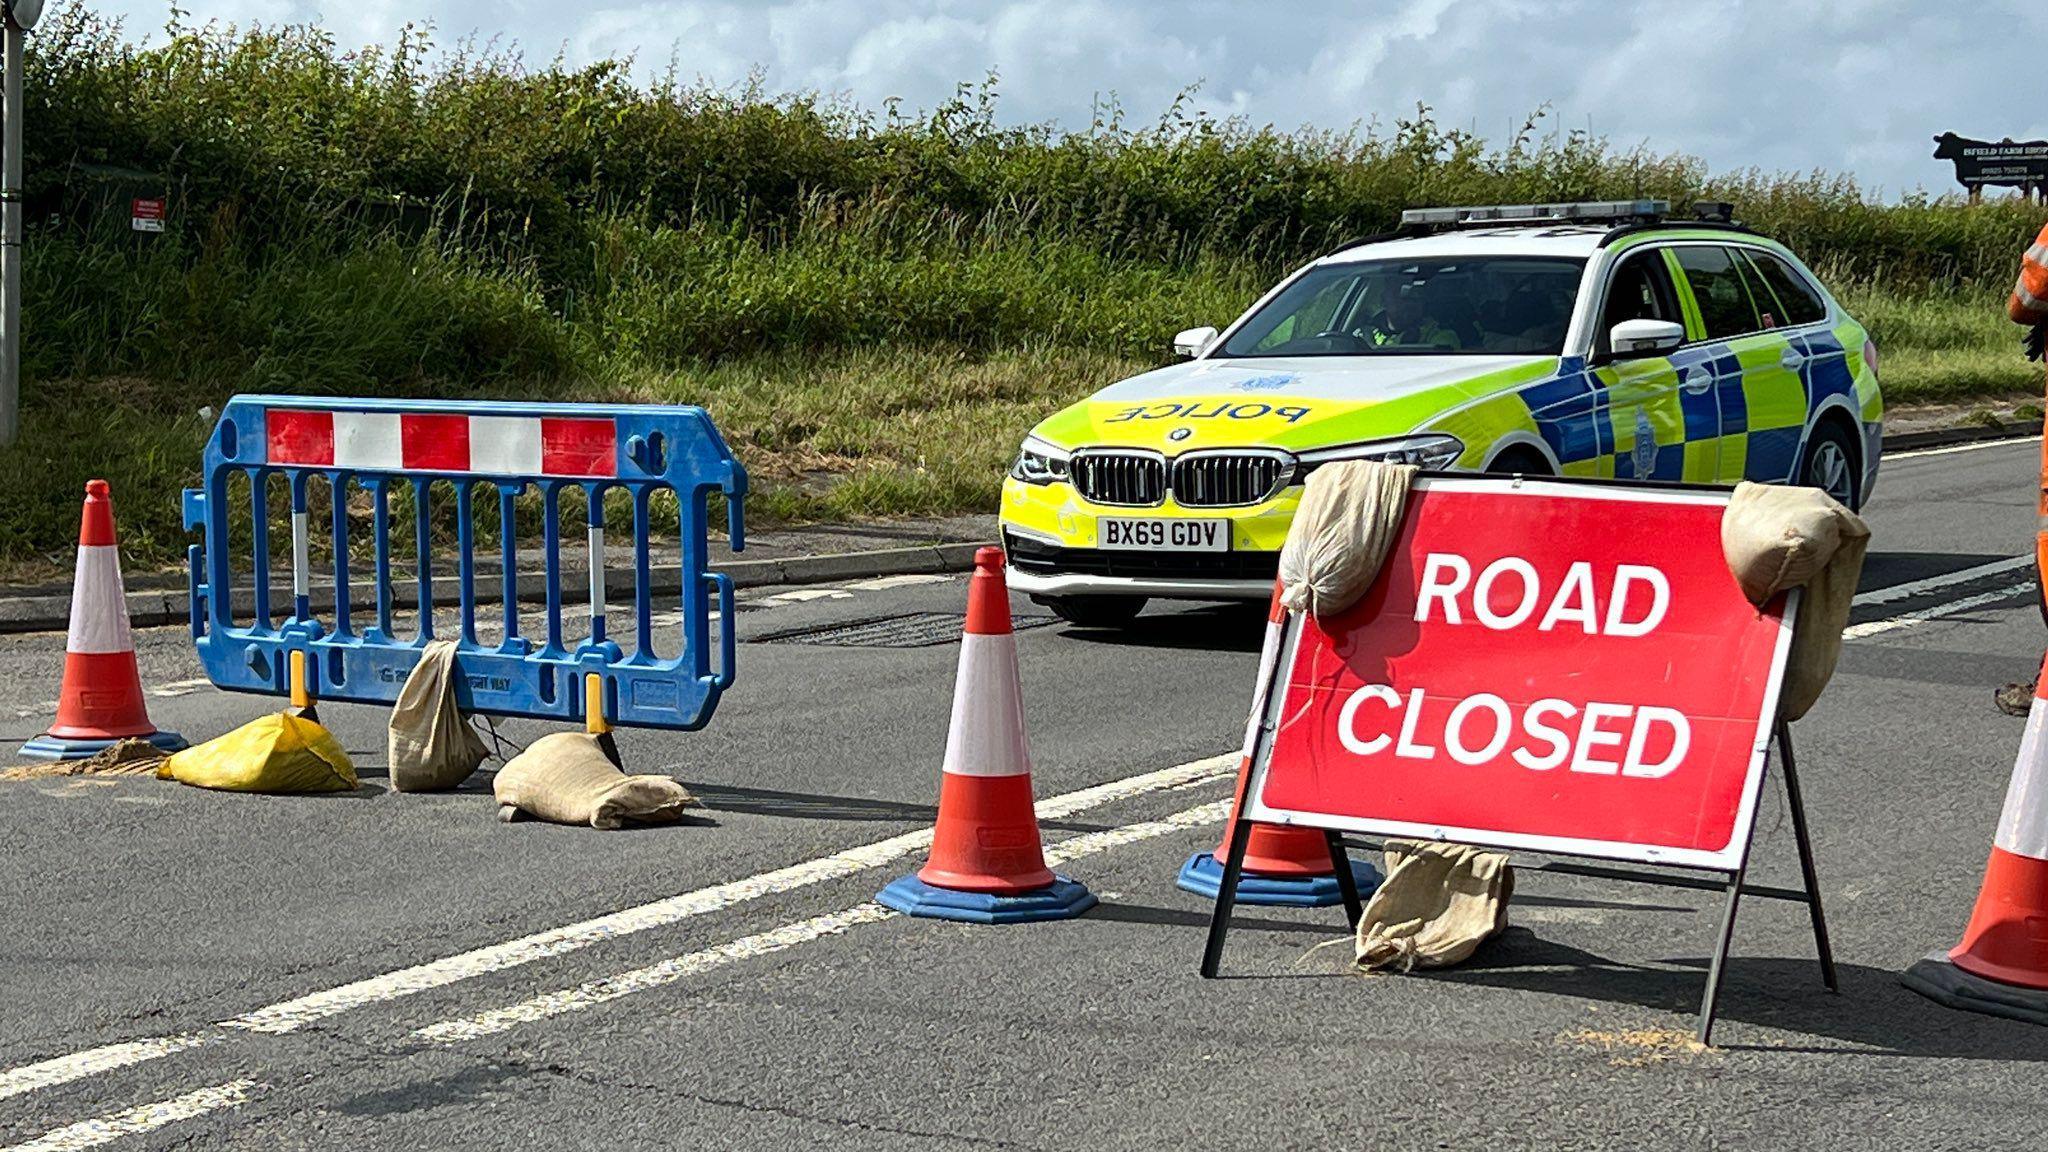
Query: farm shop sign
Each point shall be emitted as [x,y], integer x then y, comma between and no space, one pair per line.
[2004,163]
[1565,668]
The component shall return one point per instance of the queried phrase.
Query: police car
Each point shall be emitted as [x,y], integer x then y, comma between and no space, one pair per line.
[1595,339]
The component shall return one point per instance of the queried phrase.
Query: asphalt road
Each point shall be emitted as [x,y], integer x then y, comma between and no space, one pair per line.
[182,968]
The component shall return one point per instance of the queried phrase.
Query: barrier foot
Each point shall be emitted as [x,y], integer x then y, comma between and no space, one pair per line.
[1061,899]
[305,712]
[609,745]
[1203,875]
[1937,978]
[59,748]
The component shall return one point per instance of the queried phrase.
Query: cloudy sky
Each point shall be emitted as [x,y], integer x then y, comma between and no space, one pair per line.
[1856,85]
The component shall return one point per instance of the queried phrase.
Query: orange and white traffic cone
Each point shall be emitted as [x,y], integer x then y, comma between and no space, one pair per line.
[2001,967]
[987,863]
[1282,866]
[102,698]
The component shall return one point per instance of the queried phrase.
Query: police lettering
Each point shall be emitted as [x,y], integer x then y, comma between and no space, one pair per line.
[1208,410]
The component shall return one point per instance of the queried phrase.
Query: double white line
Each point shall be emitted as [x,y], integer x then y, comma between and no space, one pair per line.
[291,1015]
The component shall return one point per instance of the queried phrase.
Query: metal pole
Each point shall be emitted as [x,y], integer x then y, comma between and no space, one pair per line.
[10,237]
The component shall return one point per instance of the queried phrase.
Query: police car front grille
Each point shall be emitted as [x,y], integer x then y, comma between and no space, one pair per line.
[1220,480]
[1125,479]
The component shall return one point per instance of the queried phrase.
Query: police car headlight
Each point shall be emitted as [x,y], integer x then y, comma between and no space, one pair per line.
[1040,463]
[1436,451]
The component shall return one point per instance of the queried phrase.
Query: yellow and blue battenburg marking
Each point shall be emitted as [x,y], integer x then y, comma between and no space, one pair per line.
[1632,420]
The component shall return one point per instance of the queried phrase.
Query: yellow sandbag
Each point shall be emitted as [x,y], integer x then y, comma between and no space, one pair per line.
[278,753]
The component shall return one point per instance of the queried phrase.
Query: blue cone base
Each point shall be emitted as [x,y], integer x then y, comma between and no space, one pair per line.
[1203,875]
[1061,899]
[58,748]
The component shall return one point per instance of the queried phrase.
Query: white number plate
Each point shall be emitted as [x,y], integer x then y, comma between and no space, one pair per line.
[1119,534]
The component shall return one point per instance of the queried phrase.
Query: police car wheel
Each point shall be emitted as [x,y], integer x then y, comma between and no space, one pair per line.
[1095,611]
[1829,464]
[1519,461]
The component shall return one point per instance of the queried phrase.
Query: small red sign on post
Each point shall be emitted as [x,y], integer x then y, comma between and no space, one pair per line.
[146,215]
[1556,667]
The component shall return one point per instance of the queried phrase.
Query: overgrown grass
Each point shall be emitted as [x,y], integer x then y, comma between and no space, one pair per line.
[874,307]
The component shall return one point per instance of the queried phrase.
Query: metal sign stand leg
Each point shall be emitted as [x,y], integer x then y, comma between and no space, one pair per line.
[1809,893]
[1226,892]
[1808,877]
[1347,884]
[1713,992]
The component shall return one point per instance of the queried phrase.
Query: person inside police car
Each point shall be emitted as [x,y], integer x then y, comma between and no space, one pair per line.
[1406,320]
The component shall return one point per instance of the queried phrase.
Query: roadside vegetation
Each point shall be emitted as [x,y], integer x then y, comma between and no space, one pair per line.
[874,304]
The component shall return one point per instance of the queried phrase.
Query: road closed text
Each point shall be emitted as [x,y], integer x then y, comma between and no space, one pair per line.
[1600,737]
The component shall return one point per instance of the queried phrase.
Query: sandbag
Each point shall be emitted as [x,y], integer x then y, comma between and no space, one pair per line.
[1438,903]
[1776,537]
[1350,513]
[132,756]
[565,777]
[277,753]
[430,744]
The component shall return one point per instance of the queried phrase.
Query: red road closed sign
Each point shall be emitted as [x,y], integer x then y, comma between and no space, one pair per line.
[1557,667]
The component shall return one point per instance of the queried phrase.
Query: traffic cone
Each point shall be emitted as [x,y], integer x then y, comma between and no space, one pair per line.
[102,698]
[2001,967]
[987,864]
[1282,865]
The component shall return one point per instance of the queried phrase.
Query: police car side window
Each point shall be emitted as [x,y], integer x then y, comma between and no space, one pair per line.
[1801,302]
[1717,288]
[1638,290]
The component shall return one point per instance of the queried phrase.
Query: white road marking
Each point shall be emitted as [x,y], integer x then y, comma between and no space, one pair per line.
[293,1014]
[1923,615]
[669,619]
[664,972]
[62,1069]
[1970,447]
[801,595]
[668,971]
[1914,588]
[181,687]
[146,1118]
[907,580]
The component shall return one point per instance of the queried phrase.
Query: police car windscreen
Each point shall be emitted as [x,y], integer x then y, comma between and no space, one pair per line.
[1472,306]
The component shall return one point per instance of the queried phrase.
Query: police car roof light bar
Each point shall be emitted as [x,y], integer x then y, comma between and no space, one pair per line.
[1585,212]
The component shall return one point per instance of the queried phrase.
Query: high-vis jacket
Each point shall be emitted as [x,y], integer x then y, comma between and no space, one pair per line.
[2029,303]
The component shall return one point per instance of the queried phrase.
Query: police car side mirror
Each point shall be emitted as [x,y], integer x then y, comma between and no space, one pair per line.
[1194,341]
[1635,339]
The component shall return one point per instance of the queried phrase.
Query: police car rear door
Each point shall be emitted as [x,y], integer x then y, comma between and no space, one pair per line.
[1763,396]
[1784,362]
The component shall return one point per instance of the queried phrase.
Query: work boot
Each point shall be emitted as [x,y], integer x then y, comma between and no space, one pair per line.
[2015,699]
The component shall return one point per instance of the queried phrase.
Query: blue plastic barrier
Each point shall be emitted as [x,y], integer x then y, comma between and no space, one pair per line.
[572,453]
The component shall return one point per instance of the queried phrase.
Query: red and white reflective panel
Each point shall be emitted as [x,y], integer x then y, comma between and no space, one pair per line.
[1554,667]
[2023,823]
[986,737]
[574,446]
[99,605]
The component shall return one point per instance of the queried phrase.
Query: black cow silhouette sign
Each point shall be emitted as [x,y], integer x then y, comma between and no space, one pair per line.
[2006,163]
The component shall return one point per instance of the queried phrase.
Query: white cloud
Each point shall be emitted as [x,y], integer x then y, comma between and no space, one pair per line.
[1856,85]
